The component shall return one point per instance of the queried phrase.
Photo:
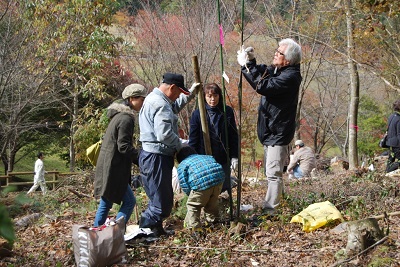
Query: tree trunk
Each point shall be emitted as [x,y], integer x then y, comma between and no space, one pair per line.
[11,161]
[5,163]
[354,91]
[293,28]
[362,234]
[72,133]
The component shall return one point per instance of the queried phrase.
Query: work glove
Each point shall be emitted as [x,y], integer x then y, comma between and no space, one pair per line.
[234,164]
[185,144]
[195,88]
[245,55]
[182,145]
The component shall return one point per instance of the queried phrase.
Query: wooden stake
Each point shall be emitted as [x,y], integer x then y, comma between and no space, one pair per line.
[202,107]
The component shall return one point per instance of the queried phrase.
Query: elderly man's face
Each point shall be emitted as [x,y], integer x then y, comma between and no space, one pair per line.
[279,57]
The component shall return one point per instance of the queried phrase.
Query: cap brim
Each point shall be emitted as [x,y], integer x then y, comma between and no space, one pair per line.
[184,90]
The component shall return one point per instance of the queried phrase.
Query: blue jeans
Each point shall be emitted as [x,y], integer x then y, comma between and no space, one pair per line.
[125,210]
[297,172]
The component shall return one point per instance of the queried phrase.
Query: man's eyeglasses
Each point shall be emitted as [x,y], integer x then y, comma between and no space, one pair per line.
[279,52]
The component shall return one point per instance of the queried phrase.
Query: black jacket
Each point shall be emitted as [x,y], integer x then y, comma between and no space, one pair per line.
[217,133]
[279,96]
[393,135]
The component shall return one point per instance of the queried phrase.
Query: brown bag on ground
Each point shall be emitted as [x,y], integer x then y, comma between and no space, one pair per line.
[99,247]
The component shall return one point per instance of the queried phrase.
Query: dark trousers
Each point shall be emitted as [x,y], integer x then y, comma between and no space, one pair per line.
[394,159]
[227,182]
[156,174]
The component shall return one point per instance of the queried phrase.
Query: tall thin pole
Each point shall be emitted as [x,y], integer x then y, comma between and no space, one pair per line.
[239,186]
[221,43]
[202,107]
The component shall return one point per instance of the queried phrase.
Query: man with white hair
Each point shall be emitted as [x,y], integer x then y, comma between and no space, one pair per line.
[278,84]
[302,162]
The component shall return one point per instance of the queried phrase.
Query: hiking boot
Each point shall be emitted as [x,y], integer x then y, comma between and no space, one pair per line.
[268,212]
[159,231]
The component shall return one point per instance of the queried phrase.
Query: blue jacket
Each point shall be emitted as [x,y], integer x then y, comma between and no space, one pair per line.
[216,129]
[158,122]
[199,172]
[279,92]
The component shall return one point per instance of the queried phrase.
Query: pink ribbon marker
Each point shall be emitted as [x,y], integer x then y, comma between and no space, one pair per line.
[354,126]
[221,35]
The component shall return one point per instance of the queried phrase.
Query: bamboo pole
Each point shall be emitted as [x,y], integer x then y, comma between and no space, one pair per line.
[239,187]
[224,106]
[202,107]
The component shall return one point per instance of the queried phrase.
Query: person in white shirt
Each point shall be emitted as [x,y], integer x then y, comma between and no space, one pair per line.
[38,179]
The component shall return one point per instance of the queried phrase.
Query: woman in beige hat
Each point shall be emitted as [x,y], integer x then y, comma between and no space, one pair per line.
[113,169]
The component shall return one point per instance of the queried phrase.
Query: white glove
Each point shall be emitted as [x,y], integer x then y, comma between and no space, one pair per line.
[195,87]
[185,144]
[241,56]
[234,164]
[182,145]
[184,141]
[245,55]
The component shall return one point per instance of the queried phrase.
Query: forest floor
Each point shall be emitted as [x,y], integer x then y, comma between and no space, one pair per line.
[46,239]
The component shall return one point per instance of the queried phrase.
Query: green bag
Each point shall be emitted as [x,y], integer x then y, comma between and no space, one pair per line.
[93,152]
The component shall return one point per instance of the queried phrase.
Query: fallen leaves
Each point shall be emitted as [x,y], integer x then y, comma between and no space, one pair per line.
[46,240]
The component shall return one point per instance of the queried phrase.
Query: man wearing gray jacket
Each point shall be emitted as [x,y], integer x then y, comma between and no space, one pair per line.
[159,135]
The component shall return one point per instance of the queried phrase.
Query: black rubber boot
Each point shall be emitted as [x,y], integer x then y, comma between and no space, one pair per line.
[158,231]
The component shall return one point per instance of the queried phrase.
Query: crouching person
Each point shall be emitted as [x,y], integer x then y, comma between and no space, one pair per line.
[201,178]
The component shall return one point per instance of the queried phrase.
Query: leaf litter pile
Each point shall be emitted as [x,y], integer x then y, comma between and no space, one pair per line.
[43,225]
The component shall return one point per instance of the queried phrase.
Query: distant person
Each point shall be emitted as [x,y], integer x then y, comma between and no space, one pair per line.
[159,135]
[117,153]
[302,162]
[220,142]
[38,178]
[279,85]
[393,138]
[201,178]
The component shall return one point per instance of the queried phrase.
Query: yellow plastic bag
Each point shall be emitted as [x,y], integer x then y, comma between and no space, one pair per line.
[317,215]
[93,152]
